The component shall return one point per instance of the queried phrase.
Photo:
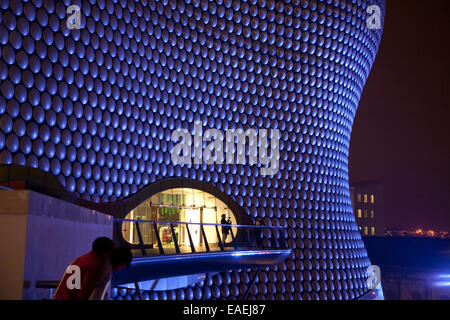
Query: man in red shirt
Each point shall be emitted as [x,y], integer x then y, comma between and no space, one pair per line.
[86,277]
[119,259]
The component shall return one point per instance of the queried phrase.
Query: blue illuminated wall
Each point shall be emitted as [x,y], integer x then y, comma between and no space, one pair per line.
[96,108]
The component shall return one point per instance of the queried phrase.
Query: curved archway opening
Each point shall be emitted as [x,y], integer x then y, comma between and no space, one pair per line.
[173,205]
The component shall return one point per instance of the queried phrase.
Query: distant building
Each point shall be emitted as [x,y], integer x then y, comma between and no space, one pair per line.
[368,207]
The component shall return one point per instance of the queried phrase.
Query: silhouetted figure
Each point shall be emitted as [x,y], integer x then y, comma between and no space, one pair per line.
[229,227]
[225,229]
[119,259]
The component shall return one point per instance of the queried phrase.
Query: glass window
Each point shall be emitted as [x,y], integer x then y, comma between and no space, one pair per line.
[365,198]
[365,213]
[359,213]
[359,197]
[366,231]
[372,214]
[372,231]
[372,198]
[178,205]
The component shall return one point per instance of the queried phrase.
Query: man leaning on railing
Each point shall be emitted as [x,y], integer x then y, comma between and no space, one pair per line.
[88,276]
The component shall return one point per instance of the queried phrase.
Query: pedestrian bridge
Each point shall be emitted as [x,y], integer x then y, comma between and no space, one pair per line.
[185,248]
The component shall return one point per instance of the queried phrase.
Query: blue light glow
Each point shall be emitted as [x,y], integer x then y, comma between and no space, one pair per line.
[95,108]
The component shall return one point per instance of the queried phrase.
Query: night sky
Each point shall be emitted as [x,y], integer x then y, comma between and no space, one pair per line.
[401,132]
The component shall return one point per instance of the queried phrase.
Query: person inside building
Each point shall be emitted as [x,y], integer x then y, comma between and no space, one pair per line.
[225,228]
[87,277]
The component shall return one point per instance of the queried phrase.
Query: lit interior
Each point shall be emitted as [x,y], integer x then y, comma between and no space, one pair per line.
[178,205]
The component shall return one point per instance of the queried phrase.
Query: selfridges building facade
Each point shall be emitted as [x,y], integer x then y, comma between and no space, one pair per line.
[97,106]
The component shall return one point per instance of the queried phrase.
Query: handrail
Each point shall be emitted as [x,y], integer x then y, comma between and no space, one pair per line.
[201,223]
[279,242]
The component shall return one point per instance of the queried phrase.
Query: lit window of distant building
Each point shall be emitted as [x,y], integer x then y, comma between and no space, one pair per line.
[365,198]
[372,214]
[359,197]
[359,213]
[372,198]
[365,213]
[372,231]
[366,230]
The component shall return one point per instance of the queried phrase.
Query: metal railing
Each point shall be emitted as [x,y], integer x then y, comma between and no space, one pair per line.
[163,237]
